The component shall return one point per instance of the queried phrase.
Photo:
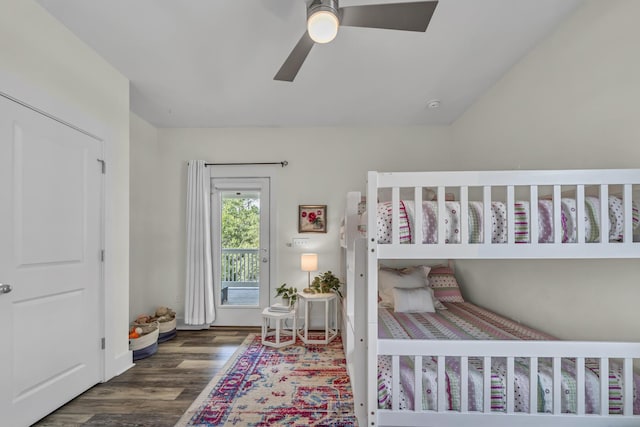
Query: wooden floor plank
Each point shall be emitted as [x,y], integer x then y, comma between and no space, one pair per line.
[130,420]
[213,351]
[209,365]
[157,390]
[124,392]
[66,420]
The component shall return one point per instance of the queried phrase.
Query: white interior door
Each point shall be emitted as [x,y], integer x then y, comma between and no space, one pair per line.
[50,228]
[241,249]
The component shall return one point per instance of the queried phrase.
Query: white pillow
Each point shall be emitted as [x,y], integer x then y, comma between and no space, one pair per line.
[416,300]
[389,278]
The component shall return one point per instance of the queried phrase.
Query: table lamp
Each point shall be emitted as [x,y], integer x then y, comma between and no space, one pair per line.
[309,263]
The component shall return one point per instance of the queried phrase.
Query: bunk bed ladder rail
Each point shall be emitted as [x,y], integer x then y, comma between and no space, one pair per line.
[512,350]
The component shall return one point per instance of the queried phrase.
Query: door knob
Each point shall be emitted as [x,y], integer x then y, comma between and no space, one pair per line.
[264,259]
[5,289]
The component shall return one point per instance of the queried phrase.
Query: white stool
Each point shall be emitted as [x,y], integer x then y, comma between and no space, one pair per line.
[280,329]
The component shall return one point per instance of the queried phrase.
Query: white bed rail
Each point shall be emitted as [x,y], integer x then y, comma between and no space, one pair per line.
[354,330]
[531,351]
[555,183]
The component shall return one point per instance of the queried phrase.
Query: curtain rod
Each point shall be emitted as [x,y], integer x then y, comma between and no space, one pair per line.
[282,163]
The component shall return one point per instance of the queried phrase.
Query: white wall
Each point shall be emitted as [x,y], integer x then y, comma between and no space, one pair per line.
[49,63]
[571,103]
[142,199]
[324,163]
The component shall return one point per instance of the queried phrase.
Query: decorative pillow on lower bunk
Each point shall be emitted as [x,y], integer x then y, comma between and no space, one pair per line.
[436,302]
[389,278]
[412,300]
[444,284]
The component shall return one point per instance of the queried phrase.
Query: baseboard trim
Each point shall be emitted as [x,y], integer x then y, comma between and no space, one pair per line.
[181,326]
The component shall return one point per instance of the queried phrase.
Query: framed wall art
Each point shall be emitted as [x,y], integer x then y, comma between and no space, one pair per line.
[312,218]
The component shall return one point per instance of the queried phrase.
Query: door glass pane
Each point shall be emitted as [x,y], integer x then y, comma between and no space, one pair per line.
[240,241]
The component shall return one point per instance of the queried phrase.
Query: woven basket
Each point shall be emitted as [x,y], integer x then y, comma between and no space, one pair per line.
[167,326]
[146,345]
[167,330]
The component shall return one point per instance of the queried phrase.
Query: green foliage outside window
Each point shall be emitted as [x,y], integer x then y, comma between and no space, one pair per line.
[240,230]
[240,224]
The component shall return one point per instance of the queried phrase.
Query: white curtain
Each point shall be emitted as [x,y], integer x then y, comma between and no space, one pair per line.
[198,308]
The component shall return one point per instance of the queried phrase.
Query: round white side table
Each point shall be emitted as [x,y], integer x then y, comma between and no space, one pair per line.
[273,325]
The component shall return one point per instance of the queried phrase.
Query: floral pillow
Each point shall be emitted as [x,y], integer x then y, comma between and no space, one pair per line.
[444,284]
[436,302]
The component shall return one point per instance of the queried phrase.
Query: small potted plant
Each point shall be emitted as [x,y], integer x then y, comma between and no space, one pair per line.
[289,295]
[324,284]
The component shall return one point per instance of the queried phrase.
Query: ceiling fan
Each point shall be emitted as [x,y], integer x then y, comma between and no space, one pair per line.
[325,16]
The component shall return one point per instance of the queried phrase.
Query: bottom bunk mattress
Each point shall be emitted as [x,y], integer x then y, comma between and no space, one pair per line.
[466,321]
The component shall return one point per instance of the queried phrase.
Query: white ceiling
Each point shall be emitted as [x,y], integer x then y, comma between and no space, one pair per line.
[210,63]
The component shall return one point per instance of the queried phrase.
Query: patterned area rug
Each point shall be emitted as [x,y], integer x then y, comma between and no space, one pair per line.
[296,385]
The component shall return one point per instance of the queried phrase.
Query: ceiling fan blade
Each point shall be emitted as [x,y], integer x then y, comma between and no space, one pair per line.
[295,59]
[393,16]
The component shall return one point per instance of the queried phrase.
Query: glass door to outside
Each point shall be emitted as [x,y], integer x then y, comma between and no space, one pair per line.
[241,262]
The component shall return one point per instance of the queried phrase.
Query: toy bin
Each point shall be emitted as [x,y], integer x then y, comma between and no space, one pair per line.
[147,344]
[167,330]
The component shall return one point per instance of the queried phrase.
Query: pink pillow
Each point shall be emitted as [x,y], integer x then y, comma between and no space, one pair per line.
[444,284]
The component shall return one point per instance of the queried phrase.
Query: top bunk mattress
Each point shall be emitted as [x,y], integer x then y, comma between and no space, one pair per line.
[502,214]
[499,231]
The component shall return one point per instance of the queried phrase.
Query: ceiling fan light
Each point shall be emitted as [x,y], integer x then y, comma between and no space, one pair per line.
[322,26]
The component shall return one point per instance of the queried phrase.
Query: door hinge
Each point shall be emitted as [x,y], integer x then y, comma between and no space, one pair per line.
[102,255]
[104,165]
[102,343]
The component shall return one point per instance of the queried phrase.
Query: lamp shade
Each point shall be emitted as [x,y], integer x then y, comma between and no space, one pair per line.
[309,262]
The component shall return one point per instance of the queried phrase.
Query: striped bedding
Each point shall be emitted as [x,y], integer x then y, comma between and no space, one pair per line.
[466,321]
[499,221]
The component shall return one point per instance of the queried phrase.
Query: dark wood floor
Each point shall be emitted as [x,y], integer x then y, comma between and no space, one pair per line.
[159,389]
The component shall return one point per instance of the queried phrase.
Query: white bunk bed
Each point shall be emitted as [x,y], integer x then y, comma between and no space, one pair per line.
[363,347]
